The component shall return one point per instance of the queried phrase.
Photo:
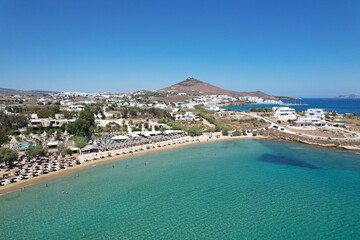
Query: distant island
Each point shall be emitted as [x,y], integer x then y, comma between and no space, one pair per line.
[349,96]
[9,92]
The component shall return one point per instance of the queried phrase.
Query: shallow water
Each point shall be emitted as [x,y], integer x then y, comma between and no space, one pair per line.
[249,189]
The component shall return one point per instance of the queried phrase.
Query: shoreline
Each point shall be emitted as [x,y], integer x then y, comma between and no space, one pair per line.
[203,139]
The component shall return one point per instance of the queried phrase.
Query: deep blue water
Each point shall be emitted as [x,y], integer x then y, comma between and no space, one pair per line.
[247,189]
[338,105]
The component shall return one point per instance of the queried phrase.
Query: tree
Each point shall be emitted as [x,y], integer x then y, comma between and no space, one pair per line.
[18,121]
[133,111]
[35,152]
[63,150]
[80,141]
[3,137]
[45,113]
[54,108]
[84,125]
[8,156]
[236,133]
[195,131]
[124,113]
[12,122]
[68,114]
[225,132]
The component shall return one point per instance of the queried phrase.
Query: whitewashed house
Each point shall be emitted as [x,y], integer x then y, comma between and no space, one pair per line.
[309,121]
[284,113]
[315,113]
[313,117]
[188,116]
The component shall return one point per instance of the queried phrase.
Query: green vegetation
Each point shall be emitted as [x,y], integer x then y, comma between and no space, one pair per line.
[176,125]
[3,137]
[225,132]
[41,111]
[12,122]
[236,133]
[35,152]
[195,131]
[219,126]
[253,121]
[68,114]
[84,125]
[63,150]
[152,112]
[80,141]
[264,110]
[8,156]
[47,112]
[9,124]
[161,128]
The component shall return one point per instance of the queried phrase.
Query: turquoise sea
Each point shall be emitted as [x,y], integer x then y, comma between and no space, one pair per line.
[246,189]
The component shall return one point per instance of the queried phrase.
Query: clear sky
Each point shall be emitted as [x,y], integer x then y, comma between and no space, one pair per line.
[303,48]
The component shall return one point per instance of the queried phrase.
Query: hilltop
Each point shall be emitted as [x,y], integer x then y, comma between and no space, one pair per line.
[193,86]
[9,92]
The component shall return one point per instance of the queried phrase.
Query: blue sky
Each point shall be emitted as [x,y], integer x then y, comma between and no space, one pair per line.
[301,48]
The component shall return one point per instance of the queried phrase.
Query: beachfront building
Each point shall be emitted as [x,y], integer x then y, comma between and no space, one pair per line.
[284,113]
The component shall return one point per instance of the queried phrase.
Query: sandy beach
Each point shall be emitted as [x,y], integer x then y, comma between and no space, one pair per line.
[203,139]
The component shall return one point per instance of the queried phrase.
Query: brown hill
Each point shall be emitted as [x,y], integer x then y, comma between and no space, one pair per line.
[192,86]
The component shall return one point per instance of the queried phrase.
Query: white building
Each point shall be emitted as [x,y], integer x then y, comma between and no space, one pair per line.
[309,121]
[315,113]
[187,116]
[284,113]
[212,108]
[313,117]
[47,122]
[76,107]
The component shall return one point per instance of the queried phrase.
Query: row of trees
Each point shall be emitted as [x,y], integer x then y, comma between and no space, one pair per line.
[9,124]
[152,112]
[9,156]
[41,111]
